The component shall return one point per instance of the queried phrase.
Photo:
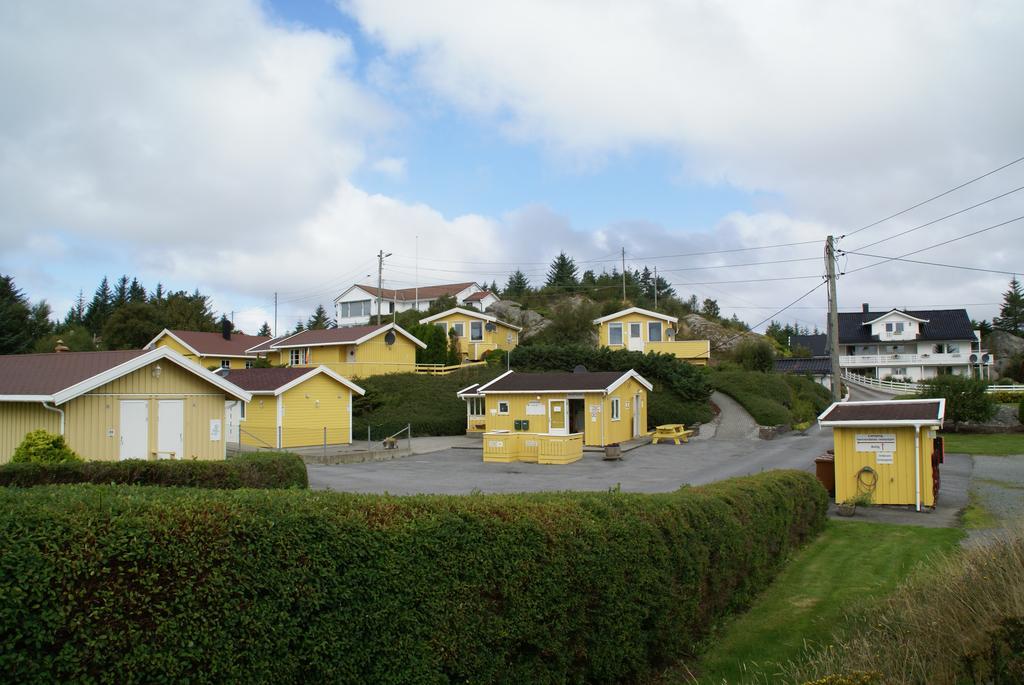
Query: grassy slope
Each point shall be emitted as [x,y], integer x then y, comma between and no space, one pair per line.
[772,398]
[851,561]
[999,444]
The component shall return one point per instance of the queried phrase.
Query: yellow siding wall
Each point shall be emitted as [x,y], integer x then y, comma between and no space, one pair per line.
[310,407]
[696,352]
[205,361]
[896,480]
[92,421]
[259,429]
[493,340]
[642,319]
[170,342]
[372,358]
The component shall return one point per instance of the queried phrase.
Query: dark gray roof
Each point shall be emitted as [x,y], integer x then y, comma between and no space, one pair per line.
[555,382]
[943,324]
[817,343]
[812,365]
[897,410]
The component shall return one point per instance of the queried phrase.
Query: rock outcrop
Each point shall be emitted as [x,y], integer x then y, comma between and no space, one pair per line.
[511,312]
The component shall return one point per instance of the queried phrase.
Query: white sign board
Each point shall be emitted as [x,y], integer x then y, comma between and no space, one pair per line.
[534,408]
[883,457]
[875,442]
[214,430]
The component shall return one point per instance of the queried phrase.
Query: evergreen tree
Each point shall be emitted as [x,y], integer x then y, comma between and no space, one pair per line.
[99,308]
[493,287]
[131,326]
[136,293]
[76,315]
[39,323]
[710,309]
[14,318]
[562,273]
[264,330]
[187,312]
[517,285]
[121,292]
[158,295]
[299,327]
[320,320]
[588,279]
[1011,314]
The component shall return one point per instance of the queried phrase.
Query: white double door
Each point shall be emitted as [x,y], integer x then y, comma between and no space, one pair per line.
[170,431]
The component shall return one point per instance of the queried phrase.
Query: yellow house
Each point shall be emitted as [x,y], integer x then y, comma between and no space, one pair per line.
[525,414]
[477,332]
[642,330]
[294,407]
[125,404]
[352,352]
[225,350]
[886,450]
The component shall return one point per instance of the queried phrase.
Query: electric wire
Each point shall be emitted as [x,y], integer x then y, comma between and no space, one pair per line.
[948,266]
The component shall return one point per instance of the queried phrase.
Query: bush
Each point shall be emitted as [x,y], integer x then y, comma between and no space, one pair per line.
[41,447]
[664,406]
[1006,397]
[755,355]
[104,582]
[966,399]
[263,470]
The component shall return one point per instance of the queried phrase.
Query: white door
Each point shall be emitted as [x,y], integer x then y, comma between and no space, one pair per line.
[170,429]
[134,429]
[558,417]
[233,415]
[636,415]
[635,341]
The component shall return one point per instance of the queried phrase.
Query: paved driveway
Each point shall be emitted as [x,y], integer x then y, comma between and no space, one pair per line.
[651,468]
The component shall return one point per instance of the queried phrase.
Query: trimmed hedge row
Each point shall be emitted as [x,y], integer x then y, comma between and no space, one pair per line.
[120,584]
[263,470]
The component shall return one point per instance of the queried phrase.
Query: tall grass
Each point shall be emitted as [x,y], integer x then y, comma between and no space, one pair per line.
[941,627]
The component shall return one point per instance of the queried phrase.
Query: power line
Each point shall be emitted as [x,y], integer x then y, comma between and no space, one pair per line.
[750,329]
[948,266]
[936,197]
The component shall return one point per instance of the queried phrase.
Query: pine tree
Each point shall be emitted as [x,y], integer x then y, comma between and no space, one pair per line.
[121,292]
[493,288]
[99,309]
[76,315]
[1011,314]
[158,295]
[517,285]
[299,327]
[320,320]
[264,330]
[562,273]
[136,293]
[710,309]
[15,336]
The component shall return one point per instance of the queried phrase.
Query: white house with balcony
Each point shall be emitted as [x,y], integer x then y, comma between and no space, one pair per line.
[358,303]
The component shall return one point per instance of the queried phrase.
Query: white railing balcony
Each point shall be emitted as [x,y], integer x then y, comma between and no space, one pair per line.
[927,359]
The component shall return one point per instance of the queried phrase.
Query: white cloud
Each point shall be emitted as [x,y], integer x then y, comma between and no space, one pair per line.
[393,167]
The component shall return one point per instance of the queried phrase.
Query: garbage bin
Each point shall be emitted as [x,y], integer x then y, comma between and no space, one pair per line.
[825,470]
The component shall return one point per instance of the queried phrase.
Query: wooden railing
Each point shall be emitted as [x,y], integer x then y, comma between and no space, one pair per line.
[442,370]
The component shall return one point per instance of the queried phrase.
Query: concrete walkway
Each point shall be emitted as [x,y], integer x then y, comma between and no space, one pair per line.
[733,421]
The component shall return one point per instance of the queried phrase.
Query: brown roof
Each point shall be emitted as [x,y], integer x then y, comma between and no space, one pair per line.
[424,292]
[477,296]
[326,336]
[213,344]
[897,410]
[256,380]
[46,374]
[555,382]
[267,344]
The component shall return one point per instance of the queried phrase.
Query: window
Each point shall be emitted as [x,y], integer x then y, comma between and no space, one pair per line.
[615,409]
[615,334]
[351,309]
[241,413]
[476,406]
[654,331]
[225,363]
[459,328]
[503,407]
[298,356]
[249,363]
[952,348]
[634,330]
[888,327]
[899,372]
[899,327]
[476,330]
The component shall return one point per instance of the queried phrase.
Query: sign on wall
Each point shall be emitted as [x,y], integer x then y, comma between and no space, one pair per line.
[534,408]
[875,442]
[214,430]
[883,457]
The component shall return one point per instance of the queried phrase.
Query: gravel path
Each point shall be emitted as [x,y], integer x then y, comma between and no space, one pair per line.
[734,423]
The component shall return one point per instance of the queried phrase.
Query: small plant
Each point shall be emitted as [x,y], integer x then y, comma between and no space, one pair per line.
[863,499]
[41,447]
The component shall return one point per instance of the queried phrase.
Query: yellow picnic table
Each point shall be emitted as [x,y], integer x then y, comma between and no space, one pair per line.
[675,432]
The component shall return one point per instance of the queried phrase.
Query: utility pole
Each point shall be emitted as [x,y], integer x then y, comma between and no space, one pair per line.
[275,314]
[833,318]
[380,282]
[623,275]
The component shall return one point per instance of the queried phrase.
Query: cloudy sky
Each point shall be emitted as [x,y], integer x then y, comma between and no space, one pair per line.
[245,147]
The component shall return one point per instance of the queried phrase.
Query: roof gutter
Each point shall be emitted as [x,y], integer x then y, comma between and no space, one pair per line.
[58,411]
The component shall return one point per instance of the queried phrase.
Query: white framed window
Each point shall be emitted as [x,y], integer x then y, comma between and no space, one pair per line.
[615,334]
[350,309]
[241,412]
[503,407]
[899,327]
[298,356]
[477,406]
[225,363]
[459,328]
[249,363]
[476,330]
[952,348]
[634,330]
[654,331]
[888,327]
[615,409]
[899,372]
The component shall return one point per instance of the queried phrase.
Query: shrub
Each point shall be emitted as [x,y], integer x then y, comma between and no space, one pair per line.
[966,399]
[108,583]
[1006,396]
[755,355]
[663,406]
[41,447]
[262,470]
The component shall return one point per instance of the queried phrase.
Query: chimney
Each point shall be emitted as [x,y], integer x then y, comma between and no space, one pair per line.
[61,347]
[865,308]
[225,328]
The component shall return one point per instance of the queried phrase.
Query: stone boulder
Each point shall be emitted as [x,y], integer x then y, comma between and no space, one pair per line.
[511,312]
[696,327]
[1004,346]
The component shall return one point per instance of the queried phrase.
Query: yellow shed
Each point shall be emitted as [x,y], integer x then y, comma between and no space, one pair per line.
[294,407]
[125,404]
[886,450]
[477,332]
[641,330]
[225,350]
[530,411]
[352,352]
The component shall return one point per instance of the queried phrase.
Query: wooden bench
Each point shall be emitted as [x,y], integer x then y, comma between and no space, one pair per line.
[676,432]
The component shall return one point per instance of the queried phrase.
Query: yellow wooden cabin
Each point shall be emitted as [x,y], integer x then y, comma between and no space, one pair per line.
[477,333]
[886,450]
[125,404]
[224,350]
[293,407]
[524,414]
[641,330]
[353,352]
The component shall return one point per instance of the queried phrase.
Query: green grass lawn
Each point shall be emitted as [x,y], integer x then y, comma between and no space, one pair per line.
[850,562]
[999,444]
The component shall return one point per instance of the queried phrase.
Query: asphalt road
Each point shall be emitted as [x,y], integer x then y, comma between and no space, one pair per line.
[651,468]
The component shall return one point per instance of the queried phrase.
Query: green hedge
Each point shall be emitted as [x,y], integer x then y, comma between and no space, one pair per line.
[121,584]
[263,470]
[773,398]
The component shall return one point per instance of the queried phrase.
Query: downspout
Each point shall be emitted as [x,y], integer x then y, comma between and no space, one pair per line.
[917,466]
[59,411]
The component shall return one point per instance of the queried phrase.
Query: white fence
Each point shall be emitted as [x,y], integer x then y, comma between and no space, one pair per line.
[899,388]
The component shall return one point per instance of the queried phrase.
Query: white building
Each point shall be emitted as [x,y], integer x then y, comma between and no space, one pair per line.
[358,304]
